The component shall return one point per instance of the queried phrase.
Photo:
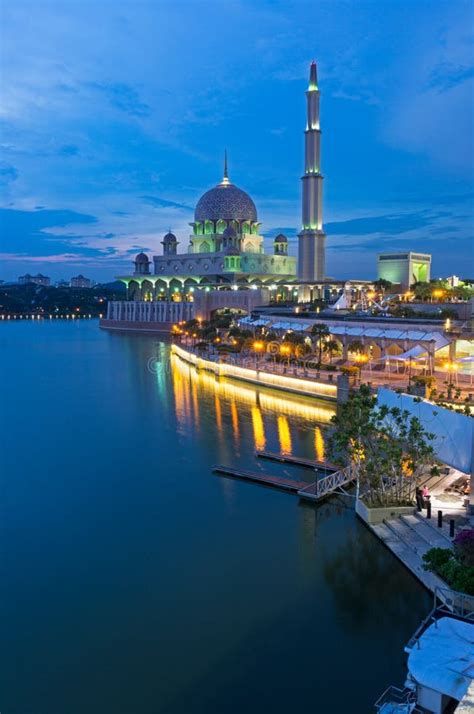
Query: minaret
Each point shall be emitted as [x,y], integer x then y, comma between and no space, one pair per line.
[311,240]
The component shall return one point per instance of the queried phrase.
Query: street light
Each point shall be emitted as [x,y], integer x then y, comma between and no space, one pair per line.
[258,346]
[451,368]
[361,360]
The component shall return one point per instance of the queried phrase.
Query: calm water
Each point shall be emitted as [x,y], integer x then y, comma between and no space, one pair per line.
[134,581]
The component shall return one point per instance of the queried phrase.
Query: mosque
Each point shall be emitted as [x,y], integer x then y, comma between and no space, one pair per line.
[226,249]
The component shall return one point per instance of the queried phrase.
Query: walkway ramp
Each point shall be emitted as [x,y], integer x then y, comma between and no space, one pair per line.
[328,485]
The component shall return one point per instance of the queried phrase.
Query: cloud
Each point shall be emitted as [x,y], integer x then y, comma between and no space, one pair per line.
[164,203]
[68,150]
[29,232]
[392,224]
[447,75]
[122,96]
[8,173]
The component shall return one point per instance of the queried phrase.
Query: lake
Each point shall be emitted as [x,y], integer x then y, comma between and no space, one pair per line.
[136,581]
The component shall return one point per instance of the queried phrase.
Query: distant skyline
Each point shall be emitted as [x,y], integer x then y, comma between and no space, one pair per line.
[115,117]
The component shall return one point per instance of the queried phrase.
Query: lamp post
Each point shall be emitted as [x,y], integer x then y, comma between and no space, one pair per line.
[285,350]
[258,347]
[451,368]
[360,360]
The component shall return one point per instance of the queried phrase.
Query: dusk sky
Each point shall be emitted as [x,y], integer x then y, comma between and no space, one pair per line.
[115,117]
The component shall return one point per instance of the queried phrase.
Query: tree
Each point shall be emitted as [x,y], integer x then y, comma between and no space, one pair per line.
[356,346]
[331,347]
[320,331]
[387,446]
[382,285]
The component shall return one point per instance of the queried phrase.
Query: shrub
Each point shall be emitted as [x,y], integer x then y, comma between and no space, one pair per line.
[464,546]
[459,576]
[426,380]
[350,371]
[435,558]
[456,573]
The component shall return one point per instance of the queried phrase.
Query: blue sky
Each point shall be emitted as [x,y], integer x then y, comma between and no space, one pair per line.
[115,116]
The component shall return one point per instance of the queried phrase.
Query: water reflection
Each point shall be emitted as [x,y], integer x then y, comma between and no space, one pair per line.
[258,428]
[269,419]
[318,444]
[284,434]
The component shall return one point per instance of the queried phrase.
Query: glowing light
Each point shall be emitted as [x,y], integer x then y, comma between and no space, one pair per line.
[218,412]
[235,418]
[319,444]
[258,346]
[258,429]
[284,435]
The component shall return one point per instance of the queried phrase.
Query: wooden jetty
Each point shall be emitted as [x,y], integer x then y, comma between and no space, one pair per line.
[296,460]
[286,484]
[328,485]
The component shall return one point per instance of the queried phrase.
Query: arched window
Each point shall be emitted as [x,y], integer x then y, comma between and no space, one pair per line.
[249,248]
[204,247]
[209,227]
[198,228]
[221,226]
[246,227]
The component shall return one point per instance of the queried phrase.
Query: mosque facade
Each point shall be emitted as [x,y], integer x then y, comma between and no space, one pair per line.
[226,248]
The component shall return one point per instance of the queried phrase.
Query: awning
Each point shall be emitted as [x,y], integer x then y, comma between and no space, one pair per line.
[443,658]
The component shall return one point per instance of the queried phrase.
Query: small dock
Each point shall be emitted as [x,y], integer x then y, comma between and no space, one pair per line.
[285,484]
[296,460]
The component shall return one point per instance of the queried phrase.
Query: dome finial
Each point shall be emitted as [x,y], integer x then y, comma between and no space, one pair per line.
[225,180]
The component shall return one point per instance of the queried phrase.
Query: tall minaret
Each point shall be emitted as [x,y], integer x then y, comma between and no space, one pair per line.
[311,240]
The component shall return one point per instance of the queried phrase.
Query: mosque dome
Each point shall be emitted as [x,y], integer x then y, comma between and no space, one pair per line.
[227,202]
[169,238]
[280,238]
[142,258]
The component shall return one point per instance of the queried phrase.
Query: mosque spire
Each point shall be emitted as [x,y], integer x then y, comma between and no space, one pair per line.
[225,180]
[311,246]
[313,77]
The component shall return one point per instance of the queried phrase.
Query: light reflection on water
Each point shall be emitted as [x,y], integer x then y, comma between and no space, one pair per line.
[266,410]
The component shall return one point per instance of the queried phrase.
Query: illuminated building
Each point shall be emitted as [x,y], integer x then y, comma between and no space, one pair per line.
[404,269]
[225,251]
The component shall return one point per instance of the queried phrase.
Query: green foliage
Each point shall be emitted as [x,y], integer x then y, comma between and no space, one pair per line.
[356,346]
[350,371]
[455,571]
[423,380]
[320,331]
[435,558]
[386,445]
[459,576]
[382,284]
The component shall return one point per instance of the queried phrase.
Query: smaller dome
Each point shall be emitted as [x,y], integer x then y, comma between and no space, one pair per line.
[170,238]
[280,238]
[231,251]
[141,258]
[229,232]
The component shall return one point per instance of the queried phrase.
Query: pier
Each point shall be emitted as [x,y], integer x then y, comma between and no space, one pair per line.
[286,484]
[296,460]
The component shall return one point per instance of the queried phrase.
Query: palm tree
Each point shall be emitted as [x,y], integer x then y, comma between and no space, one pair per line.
[331,347]
[356,346]
[320,330]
